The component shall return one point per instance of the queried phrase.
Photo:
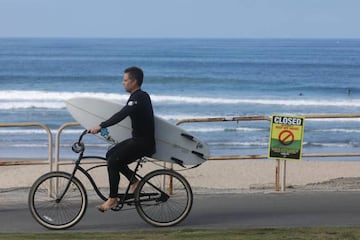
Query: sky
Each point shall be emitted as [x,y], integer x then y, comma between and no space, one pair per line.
[180,18]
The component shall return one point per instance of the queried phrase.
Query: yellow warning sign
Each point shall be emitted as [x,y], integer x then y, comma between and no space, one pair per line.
[286,137]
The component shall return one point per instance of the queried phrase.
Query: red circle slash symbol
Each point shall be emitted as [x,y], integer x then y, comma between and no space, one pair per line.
[286,137]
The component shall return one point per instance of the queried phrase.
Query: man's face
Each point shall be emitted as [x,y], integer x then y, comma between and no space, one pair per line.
[129,85]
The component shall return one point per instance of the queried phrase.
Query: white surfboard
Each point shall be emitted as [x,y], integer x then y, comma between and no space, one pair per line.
[173,144]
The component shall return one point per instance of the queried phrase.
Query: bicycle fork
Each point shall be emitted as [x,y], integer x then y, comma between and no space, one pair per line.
[58,199]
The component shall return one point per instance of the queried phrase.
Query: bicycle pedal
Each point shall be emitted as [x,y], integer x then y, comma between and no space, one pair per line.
[117,208]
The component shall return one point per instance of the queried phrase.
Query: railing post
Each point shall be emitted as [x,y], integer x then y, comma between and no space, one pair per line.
[57,141]
[36,124]
[283,185]
[277,176]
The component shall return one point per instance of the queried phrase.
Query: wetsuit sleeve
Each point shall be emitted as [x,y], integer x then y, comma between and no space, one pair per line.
[117,117]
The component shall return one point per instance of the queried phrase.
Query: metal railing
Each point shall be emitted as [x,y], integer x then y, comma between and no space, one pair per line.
[57,142]
[31,162]
[265,118]
[279,162]
[57,162]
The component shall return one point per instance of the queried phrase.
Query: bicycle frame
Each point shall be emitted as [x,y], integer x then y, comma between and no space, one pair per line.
[125,198]
[155,200]
[77,167]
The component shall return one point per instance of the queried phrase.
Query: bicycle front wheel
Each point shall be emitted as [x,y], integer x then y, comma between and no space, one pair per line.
[164,198]
[55,204]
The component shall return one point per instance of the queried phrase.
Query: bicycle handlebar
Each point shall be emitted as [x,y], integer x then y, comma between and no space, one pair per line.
[83,134]
[79,147]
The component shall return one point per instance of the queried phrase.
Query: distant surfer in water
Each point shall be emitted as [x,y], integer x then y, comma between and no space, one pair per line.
[142,142]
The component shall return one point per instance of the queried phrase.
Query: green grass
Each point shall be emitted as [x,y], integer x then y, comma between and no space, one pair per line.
[316,233]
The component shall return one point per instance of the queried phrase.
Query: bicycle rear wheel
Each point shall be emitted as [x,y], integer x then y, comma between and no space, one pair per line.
[164,198]
[46,206]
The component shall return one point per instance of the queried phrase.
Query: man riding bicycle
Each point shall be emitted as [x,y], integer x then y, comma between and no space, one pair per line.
[142,142]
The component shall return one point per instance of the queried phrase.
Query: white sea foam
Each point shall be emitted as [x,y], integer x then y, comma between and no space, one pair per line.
[221,129]
[50,100]
[212,144]
[43,96]
[31,131]
[14,131]
[44,99]
[239,144]
[38,145]
[329,145]
[338,130]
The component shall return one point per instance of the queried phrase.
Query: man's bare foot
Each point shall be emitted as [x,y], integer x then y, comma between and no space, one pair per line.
[110,203]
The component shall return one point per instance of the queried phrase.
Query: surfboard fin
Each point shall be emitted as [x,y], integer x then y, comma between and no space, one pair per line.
[187,136]
[200,155]
[178,161]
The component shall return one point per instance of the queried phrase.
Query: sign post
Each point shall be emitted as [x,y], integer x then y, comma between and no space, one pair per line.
[285,141]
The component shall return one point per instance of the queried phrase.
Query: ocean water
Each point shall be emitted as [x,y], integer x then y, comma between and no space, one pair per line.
[186,78]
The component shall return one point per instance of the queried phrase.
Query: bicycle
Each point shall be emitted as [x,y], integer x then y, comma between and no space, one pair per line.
[58,200]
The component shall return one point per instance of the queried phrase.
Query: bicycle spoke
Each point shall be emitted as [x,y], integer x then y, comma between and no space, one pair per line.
[171,198]
[51,212]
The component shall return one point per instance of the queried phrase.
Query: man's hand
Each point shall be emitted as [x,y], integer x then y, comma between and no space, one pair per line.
[94,130]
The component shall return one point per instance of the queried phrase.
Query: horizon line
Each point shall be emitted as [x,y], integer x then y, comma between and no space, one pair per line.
[184,38]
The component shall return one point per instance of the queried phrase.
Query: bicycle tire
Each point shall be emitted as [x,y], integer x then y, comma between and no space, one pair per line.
[54,214]
[160,205]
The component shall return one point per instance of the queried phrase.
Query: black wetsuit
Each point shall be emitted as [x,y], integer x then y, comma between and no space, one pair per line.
[142,143]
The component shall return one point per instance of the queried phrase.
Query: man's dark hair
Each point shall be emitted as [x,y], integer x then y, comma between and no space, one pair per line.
[135,73]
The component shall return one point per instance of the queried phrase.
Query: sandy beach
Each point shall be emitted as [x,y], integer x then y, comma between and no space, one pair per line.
[218,176]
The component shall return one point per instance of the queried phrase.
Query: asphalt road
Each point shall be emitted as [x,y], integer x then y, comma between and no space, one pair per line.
[255,210]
